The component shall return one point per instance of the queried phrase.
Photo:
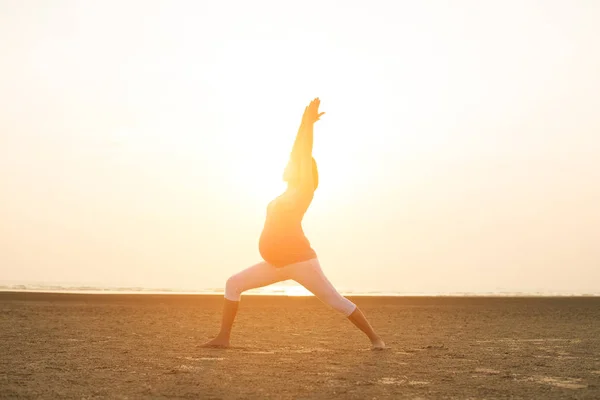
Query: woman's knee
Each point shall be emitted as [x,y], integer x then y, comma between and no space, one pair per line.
[233,288]
[345,306]
[340,304]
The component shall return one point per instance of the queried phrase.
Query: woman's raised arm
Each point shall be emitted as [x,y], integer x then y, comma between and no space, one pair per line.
[305,144]
[302,130]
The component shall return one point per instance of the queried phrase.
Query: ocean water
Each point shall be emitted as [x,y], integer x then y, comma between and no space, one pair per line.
[287,288]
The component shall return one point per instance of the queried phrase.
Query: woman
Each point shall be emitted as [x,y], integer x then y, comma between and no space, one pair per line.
[286,252]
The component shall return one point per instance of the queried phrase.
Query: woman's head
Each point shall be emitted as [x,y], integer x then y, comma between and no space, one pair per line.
[291,174]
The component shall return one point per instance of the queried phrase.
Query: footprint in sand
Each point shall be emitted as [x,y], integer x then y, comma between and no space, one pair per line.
[565,383]
[412,351]
[326,373]
[534,341]
[204,358]
[391,381]
[309,350]
[401,381]
[487,371]
[188,368]
[261,352]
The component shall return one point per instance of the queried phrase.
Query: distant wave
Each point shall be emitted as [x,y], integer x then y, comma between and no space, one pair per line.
[273,290]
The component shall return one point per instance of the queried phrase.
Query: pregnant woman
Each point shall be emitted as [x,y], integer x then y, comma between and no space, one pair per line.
[286,251]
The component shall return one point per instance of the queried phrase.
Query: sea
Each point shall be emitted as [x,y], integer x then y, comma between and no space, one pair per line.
[288,288]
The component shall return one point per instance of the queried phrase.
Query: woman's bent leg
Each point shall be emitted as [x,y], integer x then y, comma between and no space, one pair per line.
[259,275]
[310,275]
[229,311]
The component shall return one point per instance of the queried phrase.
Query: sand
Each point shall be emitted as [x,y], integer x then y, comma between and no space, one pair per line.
[146,346]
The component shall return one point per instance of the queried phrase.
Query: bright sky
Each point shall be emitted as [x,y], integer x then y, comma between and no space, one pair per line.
[140,141]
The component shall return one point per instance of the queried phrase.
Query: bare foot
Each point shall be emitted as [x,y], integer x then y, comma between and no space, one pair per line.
[377,344]
[217,342]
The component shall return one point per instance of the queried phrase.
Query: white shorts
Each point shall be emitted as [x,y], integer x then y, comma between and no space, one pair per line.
[307,273]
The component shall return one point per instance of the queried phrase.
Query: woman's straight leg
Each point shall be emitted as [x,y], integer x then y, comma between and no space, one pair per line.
[310,275]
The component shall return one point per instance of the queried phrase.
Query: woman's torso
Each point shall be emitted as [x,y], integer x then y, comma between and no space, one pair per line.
[282,241]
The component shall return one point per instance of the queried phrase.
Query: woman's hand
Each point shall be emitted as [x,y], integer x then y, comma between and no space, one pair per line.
[311,112]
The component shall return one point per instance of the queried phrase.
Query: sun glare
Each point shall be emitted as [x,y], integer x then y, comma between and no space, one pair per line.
[256,178]
[297,291]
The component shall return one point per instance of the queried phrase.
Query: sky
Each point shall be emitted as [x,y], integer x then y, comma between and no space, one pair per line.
[140,141]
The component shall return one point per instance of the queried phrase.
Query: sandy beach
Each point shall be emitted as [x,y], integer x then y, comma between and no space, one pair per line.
[146,346]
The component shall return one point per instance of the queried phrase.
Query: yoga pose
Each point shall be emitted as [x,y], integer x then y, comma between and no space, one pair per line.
[286,252]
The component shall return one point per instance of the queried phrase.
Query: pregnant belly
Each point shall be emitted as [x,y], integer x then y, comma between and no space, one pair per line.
[280,249]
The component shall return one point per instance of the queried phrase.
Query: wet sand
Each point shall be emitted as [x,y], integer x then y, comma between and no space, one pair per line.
[146,346]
